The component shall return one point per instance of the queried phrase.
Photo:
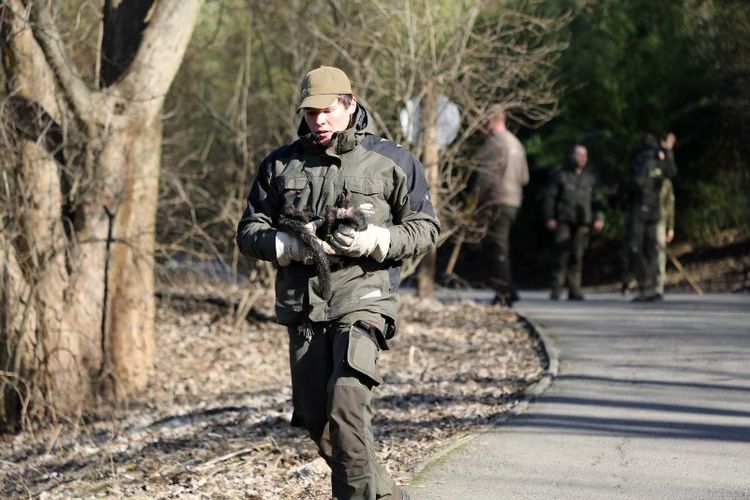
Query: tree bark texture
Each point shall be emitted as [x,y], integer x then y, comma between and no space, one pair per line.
[430,159]
[77,301]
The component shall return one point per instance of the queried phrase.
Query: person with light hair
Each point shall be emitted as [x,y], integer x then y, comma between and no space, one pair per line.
[502,173]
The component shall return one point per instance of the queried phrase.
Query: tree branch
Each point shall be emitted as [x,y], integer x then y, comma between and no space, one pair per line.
[46,32]
[161,51]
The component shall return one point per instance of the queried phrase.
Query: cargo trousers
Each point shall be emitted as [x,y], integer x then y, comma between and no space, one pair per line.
[498,242]
[643,250]
[334,367]
[567,267]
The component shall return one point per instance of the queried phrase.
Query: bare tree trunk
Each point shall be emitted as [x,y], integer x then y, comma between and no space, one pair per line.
[77,316]
[128,318]
[430,158]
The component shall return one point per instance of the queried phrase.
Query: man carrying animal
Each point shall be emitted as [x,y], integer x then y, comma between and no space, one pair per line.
[334,344]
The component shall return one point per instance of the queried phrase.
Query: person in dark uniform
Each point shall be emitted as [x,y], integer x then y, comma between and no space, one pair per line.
[572,204]
[652,165]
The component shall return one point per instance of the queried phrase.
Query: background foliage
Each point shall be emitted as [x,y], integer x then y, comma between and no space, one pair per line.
[629,67]
[638,66]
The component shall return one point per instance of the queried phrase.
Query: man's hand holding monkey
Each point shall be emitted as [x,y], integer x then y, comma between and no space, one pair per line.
[290,248]
[372,242]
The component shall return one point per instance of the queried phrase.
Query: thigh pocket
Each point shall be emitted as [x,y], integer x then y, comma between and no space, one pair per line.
[362,355]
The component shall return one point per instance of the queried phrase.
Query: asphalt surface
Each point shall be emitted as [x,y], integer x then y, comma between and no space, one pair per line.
[645,401]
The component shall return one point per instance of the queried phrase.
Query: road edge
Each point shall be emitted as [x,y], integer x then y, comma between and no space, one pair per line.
[549,349]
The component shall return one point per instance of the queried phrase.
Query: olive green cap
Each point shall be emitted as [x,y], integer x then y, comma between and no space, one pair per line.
[321,86]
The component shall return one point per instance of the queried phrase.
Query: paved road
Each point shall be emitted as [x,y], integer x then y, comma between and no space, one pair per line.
[650,401]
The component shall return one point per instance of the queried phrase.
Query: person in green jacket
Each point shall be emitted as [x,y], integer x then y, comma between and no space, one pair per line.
[572,204]
[664,232]
[335,342]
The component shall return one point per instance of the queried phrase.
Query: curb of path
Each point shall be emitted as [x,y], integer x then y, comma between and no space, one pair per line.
[551,353]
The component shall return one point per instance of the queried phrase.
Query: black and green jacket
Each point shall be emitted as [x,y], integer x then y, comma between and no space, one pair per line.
[649,173]
[386,182]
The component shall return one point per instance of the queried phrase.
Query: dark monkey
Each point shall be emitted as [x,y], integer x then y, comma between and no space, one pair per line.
[293,221]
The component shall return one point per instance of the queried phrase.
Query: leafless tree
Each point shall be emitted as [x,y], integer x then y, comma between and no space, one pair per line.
[475,52]
[81,137]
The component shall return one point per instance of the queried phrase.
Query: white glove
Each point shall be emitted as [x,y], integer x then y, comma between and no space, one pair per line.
[290,248]
[372,242]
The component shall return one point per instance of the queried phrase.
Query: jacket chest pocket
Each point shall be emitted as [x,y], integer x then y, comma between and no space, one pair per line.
[295,191]
[369,196]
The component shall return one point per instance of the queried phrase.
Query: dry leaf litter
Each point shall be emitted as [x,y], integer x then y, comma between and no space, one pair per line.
[214,421]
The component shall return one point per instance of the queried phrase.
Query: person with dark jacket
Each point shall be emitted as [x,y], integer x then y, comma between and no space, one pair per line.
[572,204]
[335,342]
[652,165]
[502,174]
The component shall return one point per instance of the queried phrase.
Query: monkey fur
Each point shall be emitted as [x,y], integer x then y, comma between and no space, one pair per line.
[293,222]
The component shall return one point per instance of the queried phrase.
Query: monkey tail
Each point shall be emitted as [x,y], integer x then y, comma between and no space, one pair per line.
[320,261]
[319,257]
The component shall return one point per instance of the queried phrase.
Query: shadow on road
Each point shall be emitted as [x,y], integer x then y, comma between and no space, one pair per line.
[643,428]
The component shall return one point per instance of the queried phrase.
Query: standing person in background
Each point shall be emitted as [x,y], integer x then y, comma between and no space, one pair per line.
[572,204]
[664,233]
[335,342]
[502,173]
[653,164]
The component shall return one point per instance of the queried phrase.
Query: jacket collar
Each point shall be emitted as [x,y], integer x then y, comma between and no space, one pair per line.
[343,141]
